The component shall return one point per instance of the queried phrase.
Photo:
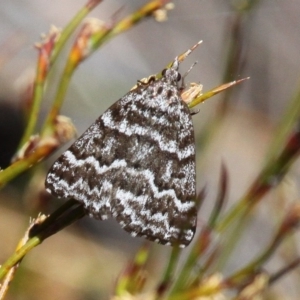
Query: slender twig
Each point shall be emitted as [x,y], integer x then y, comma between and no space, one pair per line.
[168,276]
[52,227]
[291,266]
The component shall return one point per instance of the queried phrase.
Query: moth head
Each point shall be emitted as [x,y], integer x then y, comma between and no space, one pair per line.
[171,74]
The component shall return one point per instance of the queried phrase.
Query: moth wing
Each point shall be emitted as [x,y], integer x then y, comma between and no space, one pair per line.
[136,162]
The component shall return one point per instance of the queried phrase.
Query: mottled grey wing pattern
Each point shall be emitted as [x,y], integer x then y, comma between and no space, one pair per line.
[136,163]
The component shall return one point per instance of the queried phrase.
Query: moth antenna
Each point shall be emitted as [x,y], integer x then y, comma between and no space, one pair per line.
[183,86]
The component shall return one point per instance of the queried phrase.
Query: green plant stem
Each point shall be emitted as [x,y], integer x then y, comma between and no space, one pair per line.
[198,248]
[72,26]
[18,255]
[137,16]
[220,201]
[233,61]
[241,275]
[288,122]
[169,272]
[35,107]
[173,261]
[59,98]
[270,176]
[132,280]
[24,164]
[229,240]
[51,228]
[287,226]
[278,275]
[41,78]
[239,209]
[235,220]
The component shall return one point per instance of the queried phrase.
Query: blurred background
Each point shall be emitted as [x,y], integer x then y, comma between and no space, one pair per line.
[83,261]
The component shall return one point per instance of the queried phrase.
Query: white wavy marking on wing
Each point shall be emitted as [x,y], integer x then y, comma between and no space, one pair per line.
[147,174]
[126,196]
[169,146]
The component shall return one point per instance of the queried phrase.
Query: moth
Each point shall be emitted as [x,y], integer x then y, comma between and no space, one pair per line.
[136,162]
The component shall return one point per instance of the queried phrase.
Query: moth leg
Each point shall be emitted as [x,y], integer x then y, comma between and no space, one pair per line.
[195,112]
